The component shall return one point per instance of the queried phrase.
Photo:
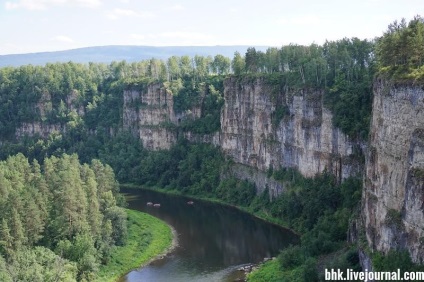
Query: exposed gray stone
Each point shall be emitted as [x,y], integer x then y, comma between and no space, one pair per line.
[394,176]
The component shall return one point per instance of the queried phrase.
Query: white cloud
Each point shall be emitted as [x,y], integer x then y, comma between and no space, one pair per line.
[45,4]
[126,13]
[63,38]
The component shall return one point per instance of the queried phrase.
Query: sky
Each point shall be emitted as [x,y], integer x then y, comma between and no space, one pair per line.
[28,26]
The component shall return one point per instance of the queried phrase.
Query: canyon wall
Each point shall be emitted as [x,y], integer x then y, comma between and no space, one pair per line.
[150,115]
[43,108]
[393,196]
[264,127]
[146,114]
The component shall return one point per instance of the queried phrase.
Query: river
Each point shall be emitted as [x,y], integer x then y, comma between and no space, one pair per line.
[213,240]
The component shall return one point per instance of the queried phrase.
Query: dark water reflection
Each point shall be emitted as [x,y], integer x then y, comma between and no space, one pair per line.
[213,239]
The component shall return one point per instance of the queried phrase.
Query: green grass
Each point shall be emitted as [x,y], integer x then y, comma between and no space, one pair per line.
[269,271]
[148,237]
[272,272]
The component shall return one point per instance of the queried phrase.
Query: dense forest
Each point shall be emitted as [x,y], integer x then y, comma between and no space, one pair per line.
[73,234]
[400,51]
[59,221]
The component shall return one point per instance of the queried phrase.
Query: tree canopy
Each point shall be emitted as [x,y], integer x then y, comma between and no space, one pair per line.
[59,220]
[400,51]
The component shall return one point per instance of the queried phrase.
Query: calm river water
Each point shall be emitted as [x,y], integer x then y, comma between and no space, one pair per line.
[213,240]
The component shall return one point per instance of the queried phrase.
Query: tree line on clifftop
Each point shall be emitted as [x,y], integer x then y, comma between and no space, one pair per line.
[59,93]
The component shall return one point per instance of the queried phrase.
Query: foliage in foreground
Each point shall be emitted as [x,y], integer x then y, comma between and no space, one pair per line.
[393,260]
[59,221]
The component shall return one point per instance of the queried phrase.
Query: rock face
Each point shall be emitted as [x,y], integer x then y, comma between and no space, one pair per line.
[259,178]
[294,130]
[147,114]
[44,107]
[266,126]
[38,128]
[262,126]
[393,197]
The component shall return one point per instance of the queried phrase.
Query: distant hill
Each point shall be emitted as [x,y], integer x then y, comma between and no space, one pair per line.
[107,54]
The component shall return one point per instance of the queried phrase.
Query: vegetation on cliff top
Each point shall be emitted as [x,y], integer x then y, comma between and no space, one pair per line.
[400,51]
[344,69]
[87,98]
[90,97]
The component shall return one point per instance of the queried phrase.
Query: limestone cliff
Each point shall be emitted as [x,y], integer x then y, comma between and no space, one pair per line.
[264,127]
[41,125]
[146,114]
[38,128]
[393,197]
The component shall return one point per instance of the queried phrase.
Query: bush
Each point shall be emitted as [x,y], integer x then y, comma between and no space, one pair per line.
[291,257]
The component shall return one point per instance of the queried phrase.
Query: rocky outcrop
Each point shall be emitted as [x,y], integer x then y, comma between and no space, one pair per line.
[214,139]
[263,127]
[393,197]
[38,128]
[149,114]
[41,126]
[73,104]
[261,180]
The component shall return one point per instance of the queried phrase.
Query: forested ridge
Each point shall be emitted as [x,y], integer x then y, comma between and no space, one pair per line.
[85,102]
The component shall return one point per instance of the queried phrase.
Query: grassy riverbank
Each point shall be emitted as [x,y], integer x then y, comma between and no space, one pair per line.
[148,237]
[269,271]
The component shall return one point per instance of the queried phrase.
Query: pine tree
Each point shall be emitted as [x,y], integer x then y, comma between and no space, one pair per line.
[6,240]
[93,207]
[17,231]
